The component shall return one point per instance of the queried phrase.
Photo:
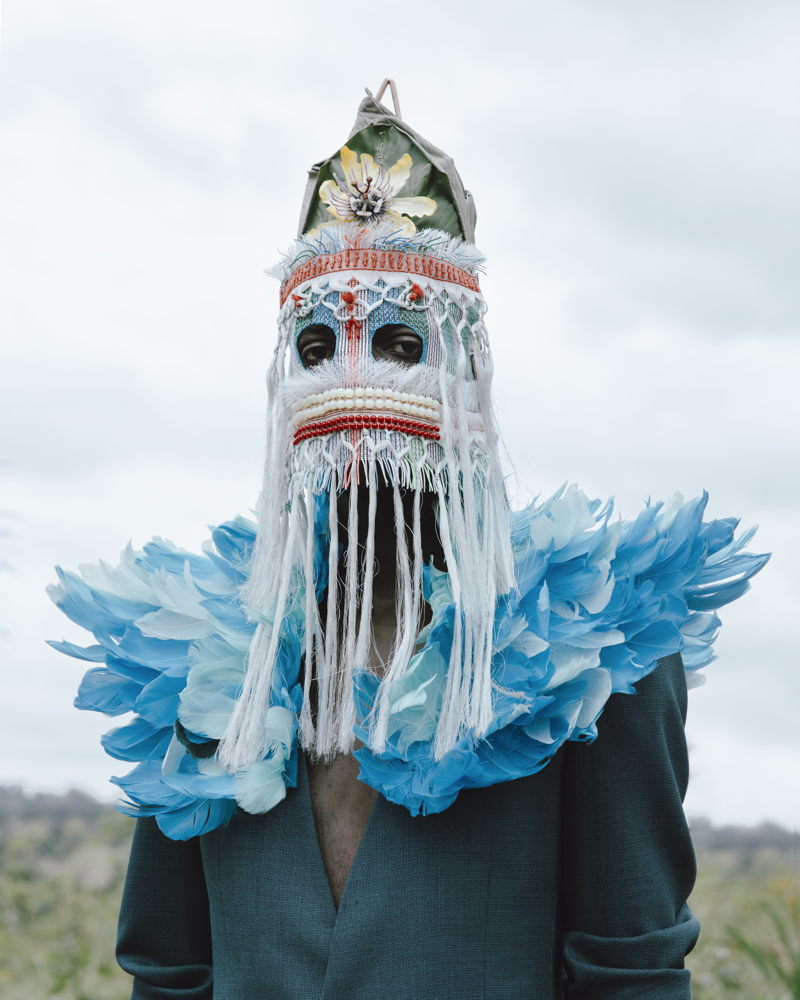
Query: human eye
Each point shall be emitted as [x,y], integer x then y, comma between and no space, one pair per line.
[396,342]
[316,343]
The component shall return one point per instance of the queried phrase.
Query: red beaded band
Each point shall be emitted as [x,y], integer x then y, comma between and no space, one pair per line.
[379,260]
[358,421]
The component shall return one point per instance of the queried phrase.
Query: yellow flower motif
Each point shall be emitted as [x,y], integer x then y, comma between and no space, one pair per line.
[369,192]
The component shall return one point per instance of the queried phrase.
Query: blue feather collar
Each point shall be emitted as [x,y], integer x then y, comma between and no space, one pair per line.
[598,603]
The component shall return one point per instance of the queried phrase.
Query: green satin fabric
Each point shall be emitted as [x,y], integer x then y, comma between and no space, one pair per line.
[433,174]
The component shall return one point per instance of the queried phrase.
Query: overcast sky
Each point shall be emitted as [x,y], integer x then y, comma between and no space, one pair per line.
[635,169]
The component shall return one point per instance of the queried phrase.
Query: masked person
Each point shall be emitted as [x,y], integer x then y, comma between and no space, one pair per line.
[396,739]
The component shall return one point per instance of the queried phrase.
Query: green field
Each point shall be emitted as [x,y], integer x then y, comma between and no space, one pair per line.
[62,862]
[748,900]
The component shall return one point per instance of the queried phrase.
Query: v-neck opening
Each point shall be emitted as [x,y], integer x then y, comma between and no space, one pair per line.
[346,889]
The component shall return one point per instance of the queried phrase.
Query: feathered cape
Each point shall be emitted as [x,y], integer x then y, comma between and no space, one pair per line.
[597,604]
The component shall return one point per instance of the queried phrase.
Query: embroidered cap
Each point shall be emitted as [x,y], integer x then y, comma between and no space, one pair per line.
[387,172]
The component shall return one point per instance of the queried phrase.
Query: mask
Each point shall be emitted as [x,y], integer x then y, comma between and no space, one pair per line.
[380,380]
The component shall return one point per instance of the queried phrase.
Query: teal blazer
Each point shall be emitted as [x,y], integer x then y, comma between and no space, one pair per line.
[571,883]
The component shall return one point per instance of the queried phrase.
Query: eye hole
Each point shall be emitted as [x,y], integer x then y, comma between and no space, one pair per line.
[315,344]
[396,342]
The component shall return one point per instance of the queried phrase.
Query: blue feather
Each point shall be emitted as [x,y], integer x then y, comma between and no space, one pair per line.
[136,741]
[95,654]
[102,691]
[597,604]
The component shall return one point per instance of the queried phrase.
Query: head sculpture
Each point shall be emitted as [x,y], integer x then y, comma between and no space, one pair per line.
[380,381]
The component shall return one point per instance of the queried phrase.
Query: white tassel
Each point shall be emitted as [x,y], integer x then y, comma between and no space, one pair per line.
[344,703]
[312,629]
[462,468]
[325,743]
[407,608]
[364,641]
[467,701]
[452,711]
[245,740]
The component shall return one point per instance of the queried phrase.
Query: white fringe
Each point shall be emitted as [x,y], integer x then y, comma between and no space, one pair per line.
[326,672]
[407,615]
[336,236]
[312,631]
[462,470]
[248,720]
[364,642]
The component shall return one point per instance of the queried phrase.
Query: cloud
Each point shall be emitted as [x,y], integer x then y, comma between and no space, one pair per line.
[634,167]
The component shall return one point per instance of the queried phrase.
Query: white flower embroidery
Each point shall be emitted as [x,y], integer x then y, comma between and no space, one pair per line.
[369,192]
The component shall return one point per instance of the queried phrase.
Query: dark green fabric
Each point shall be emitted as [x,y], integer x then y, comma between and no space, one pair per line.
[567,885]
